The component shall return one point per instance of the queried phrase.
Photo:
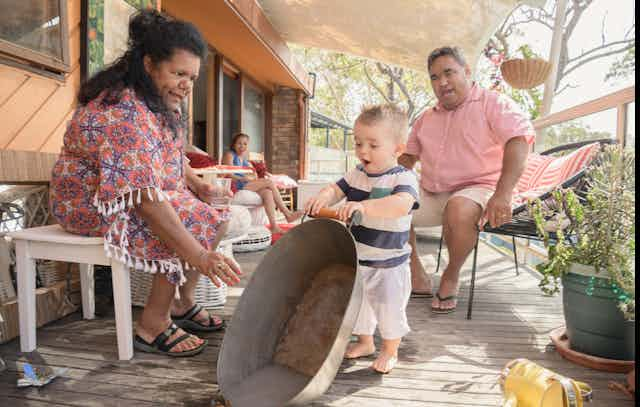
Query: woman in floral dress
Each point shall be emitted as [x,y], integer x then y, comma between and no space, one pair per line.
[122,175]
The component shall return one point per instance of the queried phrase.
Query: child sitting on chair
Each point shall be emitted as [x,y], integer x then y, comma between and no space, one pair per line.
[385,193]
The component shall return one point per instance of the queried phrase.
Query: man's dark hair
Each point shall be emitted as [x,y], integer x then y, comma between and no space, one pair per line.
[152,34]
[454,52]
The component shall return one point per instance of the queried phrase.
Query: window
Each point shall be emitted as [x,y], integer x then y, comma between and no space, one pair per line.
[253,118]
[230,110]
[35,31]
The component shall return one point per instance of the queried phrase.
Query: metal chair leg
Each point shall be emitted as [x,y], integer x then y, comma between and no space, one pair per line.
[473,277]
[439,253]
[515,255]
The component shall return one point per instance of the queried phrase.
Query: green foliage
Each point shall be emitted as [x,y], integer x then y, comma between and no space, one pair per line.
[569,132]
[345,83]
[624,67]
[601,227]
[318,137]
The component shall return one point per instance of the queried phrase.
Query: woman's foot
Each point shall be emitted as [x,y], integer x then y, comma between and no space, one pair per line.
[293,216]
[276,230]
[189,344]
[360,349]
[201,317]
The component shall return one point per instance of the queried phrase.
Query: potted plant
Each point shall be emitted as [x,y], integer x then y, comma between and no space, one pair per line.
[590,238]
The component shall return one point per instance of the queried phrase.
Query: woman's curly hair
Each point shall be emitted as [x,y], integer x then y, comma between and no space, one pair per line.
[152,34]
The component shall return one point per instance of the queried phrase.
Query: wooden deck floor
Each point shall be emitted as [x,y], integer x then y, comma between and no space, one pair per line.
[445,361]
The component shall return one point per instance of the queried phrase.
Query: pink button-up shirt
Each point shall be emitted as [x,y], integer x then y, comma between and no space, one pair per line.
[463,147]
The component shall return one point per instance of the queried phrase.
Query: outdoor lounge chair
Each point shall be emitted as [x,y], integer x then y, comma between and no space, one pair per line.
[559,167]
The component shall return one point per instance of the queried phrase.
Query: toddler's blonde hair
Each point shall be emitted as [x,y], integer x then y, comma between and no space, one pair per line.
[390,113]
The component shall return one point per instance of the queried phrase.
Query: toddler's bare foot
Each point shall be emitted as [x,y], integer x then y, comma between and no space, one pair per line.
[384,363]
[359,350]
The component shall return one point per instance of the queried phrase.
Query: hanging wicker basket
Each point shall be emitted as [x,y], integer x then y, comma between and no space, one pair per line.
[525,73]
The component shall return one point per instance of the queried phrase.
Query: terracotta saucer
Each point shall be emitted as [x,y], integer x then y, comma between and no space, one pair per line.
[561,342]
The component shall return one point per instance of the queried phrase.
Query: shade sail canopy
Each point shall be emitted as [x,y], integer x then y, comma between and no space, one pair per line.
[399,32]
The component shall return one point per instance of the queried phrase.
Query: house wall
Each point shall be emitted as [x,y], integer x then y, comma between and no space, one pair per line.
[34,110]
[286,134]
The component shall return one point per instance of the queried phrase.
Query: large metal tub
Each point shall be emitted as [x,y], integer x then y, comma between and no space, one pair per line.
[246,373]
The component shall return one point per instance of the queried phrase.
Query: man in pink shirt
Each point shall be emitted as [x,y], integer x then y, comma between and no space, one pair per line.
[472,148]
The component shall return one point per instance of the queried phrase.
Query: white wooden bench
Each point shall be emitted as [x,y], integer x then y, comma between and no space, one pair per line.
[54,243]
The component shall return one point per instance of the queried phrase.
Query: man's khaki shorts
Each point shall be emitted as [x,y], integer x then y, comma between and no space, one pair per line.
[432,205]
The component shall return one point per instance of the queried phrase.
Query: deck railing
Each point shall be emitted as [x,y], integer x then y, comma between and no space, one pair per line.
[564,127]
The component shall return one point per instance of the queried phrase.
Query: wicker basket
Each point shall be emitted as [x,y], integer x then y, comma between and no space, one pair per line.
[206,293]
[258,238]
[525,73]
[50,272]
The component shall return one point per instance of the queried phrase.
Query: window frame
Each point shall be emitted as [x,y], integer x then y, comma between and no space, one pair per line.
[27,56]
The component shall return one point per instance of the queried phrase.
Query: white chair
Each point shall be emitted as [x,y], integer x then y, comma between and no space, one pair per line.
[253,202]
[53,243]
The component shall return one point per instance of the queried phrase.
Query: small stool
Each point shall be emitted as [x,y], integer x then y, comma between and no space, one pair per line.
[54,243]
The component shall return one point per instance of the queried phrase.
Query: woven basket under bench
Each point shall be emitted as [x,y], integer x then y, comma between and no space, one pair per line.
[206,294]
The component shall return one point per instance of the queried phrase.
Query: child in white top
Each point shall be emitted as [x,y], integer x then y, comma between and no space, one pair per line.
[385,193]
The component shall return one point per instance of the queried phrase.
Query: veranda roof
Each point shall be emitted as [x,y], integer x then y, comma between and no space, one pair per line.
[399,32]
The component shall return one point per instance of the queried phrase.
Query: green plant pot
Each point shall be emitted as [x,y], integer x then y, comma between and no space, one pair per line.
[594,323]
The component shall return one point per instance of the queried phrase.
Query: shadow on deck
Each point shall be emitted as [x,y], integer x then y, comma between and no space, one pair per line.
[445,361]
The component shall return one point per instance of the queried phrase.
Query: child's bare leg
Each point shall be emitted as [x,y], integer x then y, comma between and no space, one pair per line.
[388,356]
[364,347]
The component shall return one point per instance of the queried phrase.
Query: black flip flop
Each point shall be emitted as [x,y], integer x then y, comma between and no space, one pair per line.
[440,310]
[159,346]
[187,322]
[415,294]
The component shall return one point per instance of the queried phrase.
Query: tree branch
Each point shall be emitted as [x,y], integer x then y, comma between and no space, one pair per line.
[602,47]
[341,112]
[416,112]
[373,84]
[565,87]
[602,55]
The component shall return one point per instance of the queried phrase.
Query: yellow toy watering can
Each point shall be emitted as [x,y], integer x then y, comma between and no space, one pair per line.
[526,384]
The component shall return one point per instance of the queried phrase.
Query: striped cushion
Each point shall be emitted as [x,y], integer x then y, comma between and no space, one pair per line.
[543,173]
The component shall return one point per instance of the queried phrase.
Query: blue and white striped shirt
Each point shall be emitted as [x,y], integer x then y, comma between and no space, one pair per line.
[381,242]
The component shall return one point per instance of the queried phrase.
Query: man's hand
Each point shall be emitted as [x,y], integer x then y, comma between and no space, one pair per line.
[498,210]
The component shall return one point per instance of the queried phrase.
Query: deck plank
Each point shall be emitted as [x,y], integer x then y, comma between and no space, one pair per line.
[445,361]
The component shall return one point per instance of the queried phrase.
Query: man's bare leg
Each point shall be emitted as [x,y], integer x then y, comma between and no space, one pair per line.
[461,217]
[421,282]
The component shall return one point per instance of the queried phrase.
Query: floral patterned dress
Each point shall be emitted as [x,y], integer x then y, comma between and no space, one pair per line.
[112,154]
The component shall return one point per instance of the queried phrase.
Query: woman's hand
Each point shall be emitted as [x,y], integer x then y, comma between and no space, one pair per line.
[346,211]
[206,191]
[218,267]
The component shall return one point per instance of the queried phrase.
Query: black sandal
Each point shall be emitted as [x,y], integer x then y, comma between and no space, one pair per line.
[189,324]
[159,346]
[440,310]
